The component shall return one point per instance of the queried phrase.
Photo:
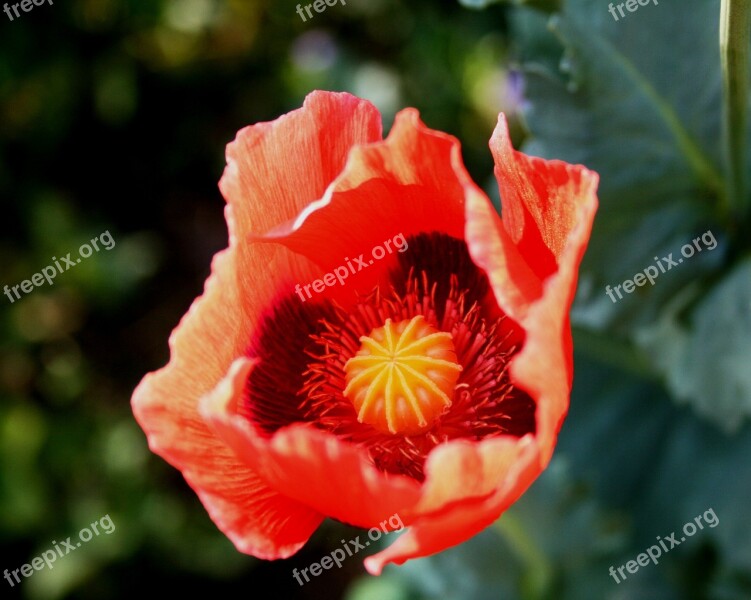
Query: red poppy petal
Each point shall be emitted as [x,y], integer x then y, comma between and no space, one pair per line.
[548,210]
[435,533]
[274,170]
[532,264]
[263,187]
[544,367]
[543,201]
[492,249]
[257,519]
[461,471]
[307,464]
[386,188]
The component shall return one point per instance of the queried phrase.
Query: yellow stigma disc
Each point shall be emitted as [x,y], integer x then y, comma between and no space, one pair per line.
[403,377]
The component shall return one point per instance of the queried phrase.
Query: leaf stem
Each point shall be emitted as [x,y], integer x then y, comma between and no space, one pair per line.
[548,6]
[735,25]
[610,350]
[538,570]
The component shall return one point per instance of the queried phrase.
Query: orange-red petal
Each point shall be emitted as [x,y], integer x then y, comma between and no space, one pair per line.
[412,182]
[274,170]
[295,209]
[548,209]
[518,462]
[532,263]
[258,519]
[312,466]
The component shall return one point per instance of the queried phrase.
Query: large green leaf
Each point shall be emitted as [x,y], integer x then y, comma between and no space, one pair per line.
[628,101]
[638,118]
[481,569]
[658,462]
[708,364]
[540,4]
[639,101]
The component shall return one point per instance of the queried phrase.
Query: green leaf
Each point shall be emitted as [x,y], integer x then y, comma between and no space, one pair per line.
[698,469]
[615,428]
[640,123]
[659,463]
[547,5]
[625,102]
[707,365]
[481,569]
[622,98]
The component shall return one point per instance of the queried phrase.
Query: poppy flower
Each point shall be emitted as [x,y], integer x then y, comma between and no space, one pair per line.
[430,383]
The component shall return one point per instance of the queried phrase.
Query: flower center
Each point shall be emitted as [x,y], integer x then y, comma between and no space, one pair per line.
[403,377]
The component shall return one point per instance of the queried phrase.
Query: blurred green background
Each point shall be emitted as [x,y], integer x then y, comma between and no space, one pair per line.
[114,117]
